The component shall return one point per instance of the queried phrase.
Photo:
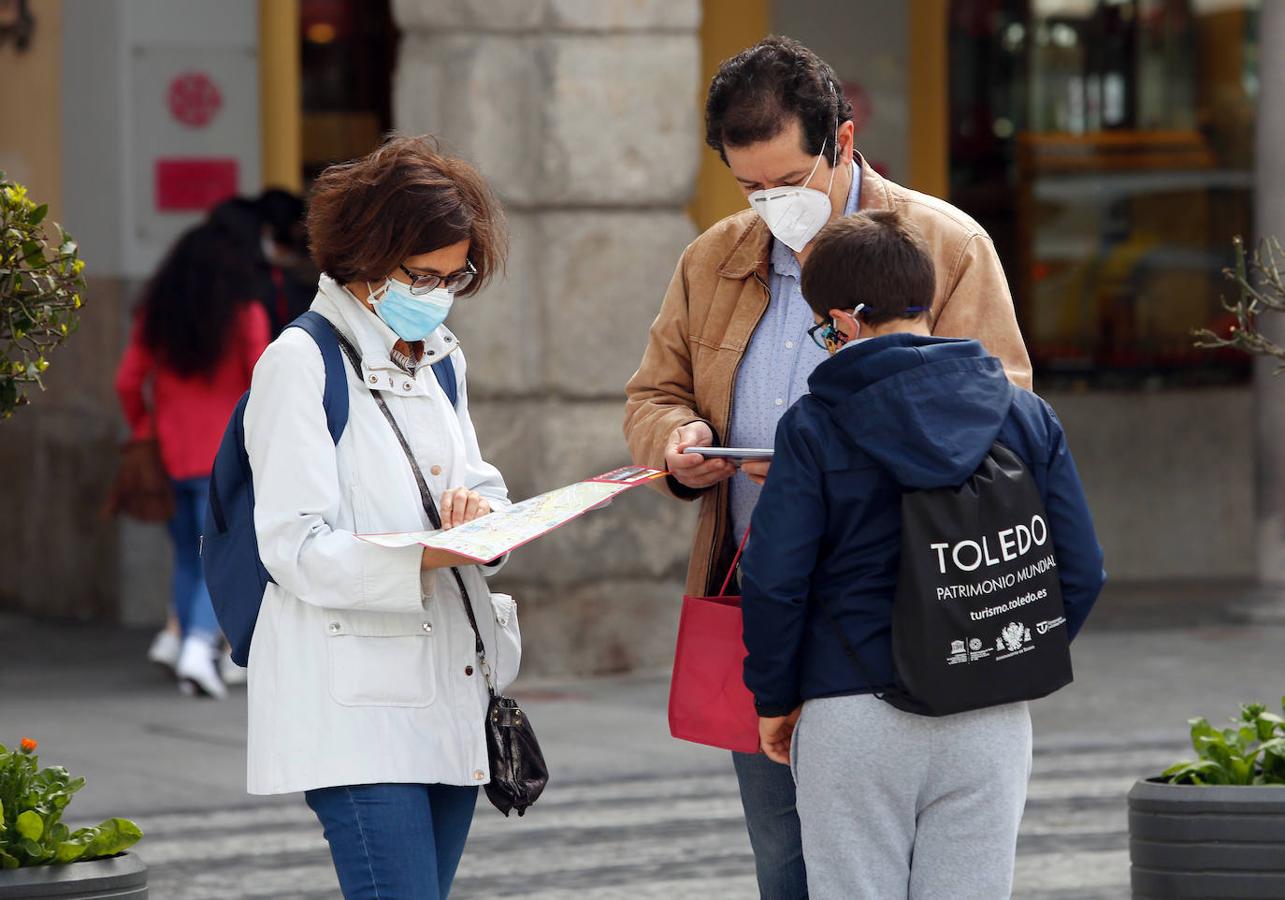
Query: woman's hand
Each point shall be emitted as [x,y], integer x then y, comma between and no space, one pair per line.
[460,505]
[776,734]
[433,558]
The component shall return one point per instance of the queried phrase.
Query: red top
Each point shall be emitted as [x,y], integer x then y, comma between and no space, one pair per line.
[188,414]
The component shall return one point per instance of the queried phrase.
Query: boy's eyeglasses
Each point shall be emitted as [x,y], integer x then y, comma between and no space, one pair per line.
[455,282]
[826,334]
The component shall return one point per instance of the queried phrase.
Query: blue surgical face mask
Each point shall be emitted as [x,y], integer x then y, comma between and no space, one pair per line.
[412,317]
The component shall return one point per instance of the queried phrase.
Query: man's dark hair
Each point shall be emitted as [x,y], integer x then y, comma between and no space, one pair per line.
[876,258]
[756,93]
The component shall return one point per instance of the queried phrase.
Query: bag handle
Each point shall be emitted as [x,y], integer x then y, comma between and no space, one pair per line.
[430,507]
[736,561]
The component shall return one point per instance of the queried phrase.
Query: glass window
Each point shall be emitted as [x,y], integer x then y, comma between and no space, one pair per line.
[1107,145]
[349,51]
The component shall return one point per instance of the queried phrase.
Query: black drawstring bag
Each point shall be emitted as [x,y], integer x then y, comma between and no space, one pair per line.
[978,618]
[518,770]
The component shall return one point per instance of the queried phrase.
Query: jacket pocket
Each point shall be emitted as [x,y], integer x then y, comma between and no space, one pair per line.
[508,641]
[380,659]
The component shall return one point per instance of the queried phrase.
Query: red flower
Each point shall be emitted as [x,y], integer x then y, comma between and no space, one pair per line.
[28,745]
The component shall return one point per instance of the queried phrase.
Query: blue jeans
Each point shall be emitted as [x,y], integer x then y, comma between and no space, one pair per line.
[400,841]
[192,604]
[767,795]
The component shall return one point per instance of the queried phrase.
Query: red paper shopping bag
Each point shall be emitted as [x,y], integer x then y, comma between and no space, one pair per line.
[708,700]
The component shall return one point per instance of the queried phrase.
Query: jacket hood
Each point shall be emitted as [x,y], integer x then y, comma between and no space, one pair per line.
[928,409]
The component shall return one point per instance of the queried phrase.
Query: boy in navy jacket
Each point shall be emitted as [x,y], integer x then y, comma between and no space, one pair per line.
[893,408]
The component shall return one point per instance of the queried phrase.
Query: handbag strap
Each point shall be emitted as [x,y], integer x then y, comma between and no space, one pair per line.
[736,561]
[430,507]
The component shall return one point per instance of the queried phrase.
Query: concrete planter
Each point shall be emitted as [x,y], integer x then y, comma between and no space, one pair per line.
[1207,842]
[121,877]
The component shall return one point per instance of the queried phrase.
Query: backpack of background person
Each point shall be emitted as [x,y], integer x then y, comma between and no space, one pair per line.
[978,618]
[234,571]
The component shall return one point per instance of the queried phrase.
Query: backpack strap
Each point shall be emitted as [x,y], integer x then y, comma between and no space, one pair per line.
[445,372]
[335,397]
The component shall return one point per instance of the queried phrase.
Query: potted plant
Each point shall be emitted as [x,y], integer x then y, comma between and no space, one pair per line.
[40,292]
[1215,826]
[42,857]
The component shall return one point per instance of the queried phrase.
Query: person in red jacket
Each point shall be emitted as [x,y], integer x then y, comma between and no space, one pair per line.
[197,335]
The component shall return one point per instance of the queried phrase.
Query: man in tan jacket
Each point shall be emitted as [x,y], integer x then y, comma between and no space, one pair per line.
[729,351]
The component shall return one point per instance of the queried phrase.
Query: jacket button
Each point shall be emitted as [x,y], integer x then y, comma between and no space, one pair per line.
[436,470]
[406,386]
[334,627]
[468,670]
[428,627]
[478,775]
[374,379]
[449,339]
[432,352]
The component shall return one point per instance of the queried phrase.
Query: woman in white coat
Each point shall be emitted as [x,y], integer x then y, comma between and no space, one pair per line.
[364,685]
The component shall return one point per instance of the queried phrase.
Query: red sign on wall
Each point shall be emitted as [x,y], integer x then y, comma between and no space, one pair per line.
[194,185]
[194,99]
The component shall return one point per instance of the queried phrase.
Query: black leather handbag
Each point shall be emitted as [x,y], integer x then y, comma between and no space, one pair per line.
[518,770]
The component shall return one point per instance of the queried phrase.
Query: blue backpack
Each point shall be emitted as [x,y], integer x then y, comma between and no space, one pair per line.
[234,572]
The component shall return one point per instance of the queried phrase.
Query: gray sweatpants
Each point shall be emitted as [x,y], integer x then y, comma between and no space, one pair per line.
[897,805]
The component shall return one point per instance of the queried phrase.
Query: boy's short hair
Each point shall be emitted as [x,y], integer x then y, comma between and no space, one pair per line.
[876,258]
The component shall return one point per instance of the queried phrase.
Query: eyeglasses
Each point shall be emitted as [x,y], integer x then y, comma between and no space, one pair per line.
[824,334]
[455,282]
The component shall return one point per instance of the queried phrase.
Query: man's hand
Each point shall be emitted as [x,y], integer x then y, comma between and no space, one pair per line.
[756,470]
[776,735]
[460,505]
[690,469]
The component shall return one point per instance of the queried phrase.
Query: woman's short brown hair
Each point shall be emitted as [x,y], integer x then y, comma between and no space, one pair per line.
[876,258]
[367,216]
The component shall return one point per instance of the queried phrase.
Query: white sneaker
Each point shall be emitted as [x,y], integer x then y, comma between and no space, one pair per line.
[165,649]
[230,672]
[196,664]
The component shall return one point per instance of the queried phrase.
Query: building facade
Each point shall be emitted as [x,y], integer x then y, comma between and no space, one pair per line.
[1109,146]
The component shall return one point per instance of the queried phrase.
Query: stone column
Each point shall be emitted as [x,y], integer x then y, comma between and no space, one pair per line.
[1269,388]
[583,116]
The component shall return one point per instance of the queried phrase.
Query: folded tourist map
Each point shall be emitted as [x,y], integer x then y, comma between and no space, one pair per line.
[492,536]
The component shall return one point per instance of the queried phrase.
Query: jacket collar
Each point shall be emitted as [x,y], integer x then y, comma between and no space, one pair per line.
[373,339]
[752,250]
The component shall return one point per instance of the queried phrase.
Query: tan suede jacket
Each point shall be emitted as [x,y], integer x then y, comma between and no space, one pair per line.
[715,301]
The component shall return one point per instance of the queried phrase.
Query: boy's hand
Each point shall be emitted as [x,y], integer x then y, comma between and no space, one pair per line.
[776,734]
[756,469]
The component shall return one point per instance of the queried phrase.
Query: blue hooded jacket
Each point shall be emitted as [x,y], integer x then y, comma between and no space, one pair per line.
[899,411]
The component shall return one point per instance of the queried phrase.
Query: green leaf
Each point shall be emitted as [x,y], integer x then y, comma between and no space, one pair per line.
[30,825]
[74,847]
[114,836]
[38,215]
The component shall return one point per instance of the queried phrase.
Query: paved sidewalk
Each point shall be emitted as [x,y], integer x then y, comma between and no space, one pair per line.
[630,813]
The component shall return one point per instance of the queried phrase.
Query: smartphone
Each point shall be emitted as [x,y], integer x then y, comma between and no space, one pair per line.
[738,454]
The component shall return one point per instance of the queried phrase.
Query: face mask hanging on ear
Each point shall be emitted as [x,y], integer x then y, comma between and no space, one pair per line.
[795,213]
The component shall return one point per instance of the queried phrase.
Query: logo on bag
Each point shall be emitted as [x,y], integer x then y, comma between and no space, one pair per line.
[1013,635]
[956,654]
[1015,639]
[1045,627]
[975,644]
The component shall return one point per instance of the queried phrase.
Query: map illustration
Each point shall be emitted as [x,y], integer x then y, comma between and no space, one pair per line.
[504,530]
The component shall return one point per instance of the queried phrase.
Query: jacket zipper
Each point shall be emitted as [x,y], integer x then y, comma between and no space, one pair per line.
[721,510]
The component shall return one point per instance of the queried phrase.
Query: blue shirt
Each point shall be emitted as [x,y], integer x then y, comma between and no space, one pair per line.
[775,369]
